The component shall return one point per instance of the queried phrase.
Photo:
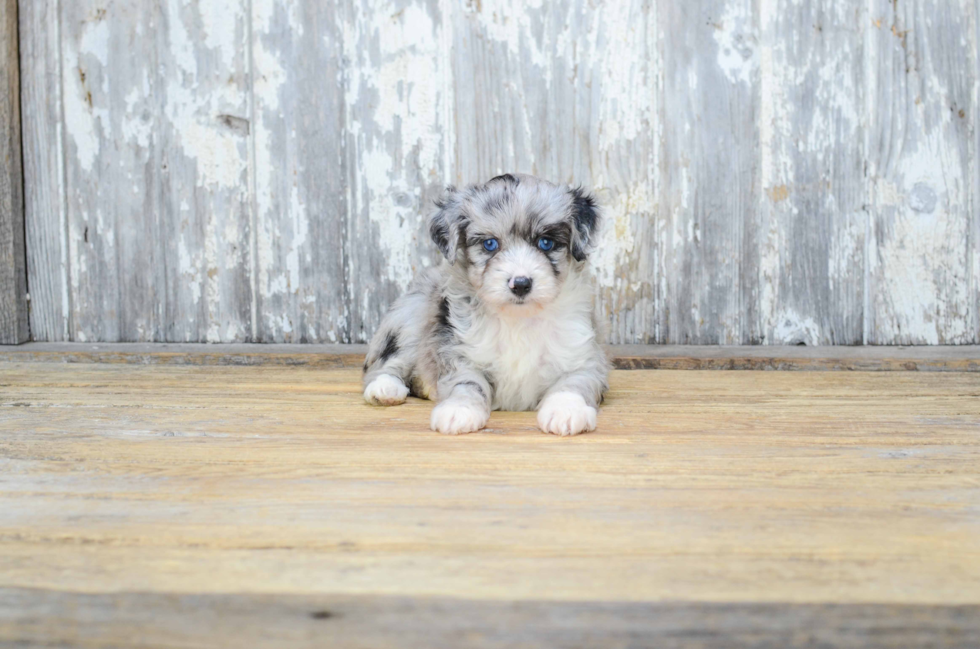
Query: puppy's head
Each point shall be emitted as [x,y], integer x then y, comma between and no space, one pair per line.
[516,237]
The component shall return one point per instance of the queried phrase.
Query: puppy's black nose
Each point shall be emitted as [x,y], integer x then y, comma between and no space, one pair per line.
[520,286]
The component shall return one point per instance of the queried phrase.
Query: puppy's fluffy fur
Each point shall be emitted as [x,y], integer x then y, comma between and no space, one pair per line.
[507,322]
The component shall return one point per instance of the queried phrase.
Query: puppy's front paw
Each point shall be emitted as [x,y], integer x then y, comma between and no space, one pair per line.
[566,413]
[386,390]
[458,416]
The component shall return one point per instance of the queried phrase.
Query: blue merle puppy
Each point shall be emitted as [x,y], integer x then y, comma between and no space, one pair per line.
[507,321]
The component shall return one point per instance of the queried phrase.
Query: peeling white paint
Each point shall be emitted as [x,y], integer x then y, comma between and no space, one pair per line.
[395,95]
[617,245]
[513,25]
[809,125]
[190,270]
[216,17]
[136,126]
[83,118]
[270,79]
[737,42]
[217,151]
[847,267]
[181,48]
[95,41]
[920,257]
[218,155]
[569,91]
[793,329]
[625,108]
[300,230]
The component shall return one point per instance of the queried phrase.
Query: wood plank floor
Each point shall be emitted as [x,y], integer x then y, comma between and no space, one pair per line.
[156,505]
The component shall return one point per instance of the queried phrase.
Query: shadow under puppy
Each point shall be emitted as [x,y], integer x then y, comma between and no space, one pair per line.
[507,322]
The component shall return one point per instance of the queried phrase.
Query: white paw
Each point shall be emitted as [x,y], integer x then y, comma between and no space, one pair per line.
[566,413]
[458,416]
[386,390]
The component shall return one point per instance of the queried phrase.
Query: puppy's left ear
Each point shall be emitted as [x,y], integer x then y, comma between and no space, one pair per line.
[585,219]
[448,224]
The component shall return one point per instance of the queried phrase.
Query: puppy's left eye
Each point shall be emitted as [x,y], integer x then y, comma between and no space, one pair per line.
[546,244]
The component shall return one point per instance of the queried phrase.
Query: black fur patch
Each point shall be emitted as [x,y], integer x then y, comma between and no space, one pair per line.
[391,347]
[526,231]
[506,178]
[444,327]
[444,313]
[476,386]
[586,217]
[495,203]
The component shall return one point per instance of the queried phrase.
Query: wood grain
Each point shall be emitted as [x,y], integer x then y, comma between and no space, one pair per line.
[399,133]
[973,281]
[922,162]
[45,208]
[299,184]
[697,487]
[14,326]
[772,172]
[156,103]
[30,618]
[813,219]
[711,182]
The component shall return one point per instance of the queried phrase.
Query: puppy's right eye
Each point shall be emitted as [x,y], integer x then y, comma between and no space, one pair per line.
[491,245]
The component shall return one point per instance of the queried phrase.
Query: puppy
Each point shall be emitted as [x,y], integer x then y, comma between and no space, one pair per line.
[507,321]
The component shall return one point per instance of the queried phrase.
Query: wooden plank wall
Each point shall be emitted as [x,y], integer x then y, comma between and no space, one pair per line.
[773,171]
[13,269]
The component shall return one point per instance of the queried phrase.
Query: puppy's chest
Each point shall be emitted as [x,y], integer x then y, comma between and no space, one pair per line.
[524,358]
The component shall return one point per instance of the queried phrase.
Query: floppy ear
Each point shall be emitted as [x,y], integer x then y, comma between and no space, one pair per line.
[448,224]
[585,219]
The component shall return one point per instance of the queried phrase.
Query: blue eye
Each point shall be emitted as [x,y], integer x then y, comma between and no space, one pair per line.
[546,244]
[491,245]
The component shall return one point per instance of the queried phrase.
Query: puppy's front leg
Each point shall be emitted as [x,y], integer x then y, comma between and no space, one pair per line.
[466,406]
[569,407]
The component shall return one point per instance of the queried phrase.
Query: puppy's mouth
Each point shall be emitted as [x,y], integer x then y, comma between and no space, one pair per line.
[524,307]
[525,300]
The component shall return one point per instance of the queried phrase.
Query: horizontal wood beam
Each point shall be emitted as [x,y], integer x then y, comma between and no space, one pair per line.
[72,619]
[13,258]
[651,357]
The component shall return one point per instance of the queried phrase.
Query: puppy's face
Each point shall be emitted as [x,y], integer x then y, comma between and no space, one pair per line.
[516,237]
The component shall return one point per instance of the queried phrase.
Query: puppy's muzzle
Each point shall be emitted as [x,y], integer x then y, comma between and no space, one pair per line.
[520,286]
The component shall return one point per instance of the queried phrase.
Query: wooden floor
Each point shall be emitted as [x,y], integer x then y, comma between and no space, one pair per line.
[185,506]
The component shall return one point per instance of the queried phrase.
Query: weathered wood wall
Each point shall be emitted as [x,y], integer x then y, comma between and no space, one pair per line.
[774,171]
[13,275]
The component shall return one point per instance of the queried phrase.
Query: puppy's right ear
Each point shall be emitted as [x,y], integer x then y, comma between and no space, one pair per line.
[585,221]
[447,226]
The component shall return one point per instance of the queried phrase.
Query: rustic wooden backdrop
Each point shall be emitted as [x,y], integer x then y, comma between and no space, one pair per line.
[774,171]
[13,269]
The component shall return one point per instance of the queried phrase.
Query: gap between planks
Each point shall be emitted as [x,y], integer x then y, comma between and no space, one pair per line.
[625,357]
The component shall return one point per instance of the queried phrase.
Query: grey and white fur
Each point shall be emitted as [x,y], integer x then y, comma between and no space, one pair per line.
[506,322]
